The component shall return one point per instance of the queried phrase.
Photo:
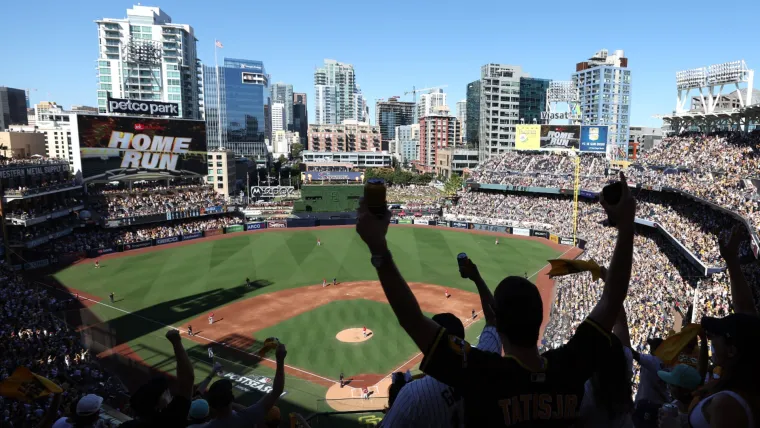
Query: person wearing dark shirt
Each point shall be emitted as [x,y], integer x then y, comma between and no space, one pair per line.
[523,388]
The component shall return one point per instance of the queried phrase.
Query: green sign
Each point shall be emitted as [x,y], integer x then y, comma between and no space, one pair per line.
[233,229]
[404,221]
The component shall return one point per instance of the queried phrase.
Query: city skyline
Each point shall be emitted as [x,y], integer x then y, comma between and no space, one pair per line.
[66,75]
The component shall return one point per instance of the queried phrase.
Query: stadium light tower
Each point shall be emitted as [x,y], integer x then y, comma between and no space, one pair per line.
[710,82]
[563,92]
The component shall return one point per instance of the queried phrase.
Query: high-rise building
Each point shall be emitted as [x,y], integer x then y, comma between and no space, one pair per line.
[278,117]
[299,98]
[12,107]
[532,98]
[472,136]
[31,117]
[604,89]
[283,93]
[405,146]
[222,171]
[301,122]
[282,141]
[427,103]
[147,57]
[462,118]
[499,108]
[239,101]
[54,123]
[391,114]
[350,136]
[335,93]
[437,130]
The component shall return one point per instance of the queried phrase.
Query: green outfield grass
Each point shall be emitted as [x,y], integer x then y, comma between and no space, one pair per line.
[174,285]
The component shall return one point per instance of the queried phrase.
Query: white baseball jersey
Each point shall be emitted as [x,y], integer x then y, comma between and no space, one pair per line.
[210,353]
[427,402]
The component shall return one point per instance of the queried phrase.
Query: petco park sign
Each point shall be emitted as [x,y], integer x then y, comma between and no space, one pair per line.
[142,107]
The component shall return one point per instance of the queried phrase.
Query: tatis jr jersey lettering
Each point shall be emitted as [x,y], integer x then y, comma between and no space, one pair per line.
[501,391]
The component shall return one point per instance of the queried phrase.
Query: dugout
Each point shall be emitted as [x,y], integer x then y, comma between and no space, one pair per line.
[329,198]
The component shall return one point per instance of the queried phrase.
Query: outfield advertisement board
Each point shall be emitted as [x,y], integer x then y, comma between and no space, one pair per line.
[256,226]
[420,222]
[489,227]
[190,236]
[234,228]
[109,144]
[137,245]
[213,232]
[520,231]
[404,221]
[566,241]
[168,240]
[594,139]
[277,224]
[458,224]
[539,233]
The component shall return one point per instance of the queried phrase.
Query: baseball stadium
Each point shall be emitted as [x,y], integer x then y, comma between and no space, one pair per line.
[106,264]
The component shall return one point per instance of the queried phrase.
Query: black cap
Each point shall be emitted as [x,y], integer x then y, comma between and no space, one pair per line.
[220,394]
[742,330]
[451,323]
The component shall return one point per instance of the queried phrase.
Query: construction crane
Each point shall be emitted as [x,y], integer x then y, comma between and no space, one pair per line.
[414,91]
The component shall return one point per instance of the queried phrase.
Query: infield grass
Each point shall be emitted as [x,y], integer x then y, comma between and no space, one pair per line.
[174,285]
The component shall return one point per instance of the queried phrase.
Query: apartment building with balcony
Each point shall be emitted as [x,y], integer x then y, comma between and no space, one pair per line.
[438,130]
[604,90]
[147,57]
[350,136]
[499,108]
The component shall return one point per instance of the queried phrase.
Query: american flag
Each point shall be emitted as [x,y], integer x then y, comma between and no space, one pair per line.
[218,44]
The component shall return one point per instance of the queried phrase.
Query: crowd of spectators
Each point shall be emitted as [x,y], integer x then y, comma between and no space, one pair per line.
[34,336]
[43,186]
[120,203]
[414,196]
[34,160]
[41,209]
[165,230]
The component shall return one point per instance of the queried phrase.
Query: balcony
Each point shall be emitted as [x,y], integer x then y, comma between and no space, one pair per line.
[26,220]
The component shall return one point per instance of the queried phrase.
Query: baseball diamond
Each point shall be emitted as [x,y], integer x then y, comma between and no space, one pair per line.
[268,284]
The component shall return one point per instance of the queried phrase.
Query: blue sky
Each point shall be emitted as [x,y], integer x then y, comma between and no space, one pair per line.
[51,46]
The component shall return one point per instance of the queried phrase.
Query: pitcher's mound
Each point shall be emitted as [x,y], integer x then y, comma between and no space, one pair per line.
[353,335]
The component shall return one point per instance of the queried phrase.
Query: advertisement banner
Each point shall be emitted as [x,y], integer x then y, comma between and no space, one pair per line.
[36,242]
[234,228]
[566,241]
[441,223]
[111,144]
[136,245]
[560,137]
[309,176]
[142,107]
[554,238]
[418,221]
[212,210]
[36,265]
[528,137]
[489,227]
[213,232]
[539,233]
[458,224]
[586,194]
[594,139]
[256,226]
[277,224]
[394,221]
[302,222]
[132,221]
[404,221]
[194,235]
[33,170]
[520,231]
[169,240]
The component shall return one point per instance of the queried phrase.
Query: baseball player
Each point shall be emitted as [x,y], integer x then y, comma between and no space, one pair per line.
[526,275]
[365,393]
[97,264]
[474,314]
[189,330]
[248,283]
[111,296]
[211,318]
[364,330]
[341,379]
[319,243]
[210,354]
[324,282]
[335,281]
[497,241]
[446,292]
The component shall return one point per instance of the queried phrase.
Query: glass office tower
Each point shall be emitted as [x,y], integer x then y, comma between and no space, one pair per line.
[532,98]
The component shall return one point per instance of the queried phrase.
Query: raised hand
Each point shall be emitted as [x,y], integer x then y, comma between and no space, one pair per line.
[623,213]
[372,229]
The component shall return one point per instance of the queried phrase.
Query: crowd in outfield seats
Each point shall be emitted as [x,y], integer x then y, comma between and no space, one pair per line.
[414,196]
[146,201]
[34,336]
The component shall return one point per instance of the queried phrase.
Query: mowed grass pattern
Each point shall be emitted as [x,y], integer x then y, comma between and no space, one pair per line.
[174,285]
[312,345]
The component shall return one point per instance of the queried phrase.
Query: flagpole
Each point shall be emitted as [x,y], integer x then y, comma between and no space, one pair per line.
[218,96]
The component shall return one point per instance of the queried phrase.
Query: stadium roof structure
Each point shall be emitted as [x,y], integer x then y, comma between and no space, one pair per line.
[132,174]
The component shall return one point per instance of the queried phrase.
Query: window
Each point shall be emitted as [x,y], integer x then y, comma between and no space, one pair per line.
[105,79]
[103,63]
[102,94]
[101,102]
[105,86]
[172,74]
[219,178]
[147,29]
[211,178]
[210,171]
[220,186]
[134,28]
[173,97]
[104,70]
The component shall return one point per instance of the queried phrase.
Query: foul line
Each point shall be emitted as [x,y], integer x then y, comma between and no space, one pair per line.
[171,327]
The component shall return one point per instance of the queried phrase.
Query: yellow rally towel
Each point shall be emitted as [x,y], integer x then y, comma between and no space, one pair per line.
[561,267]
[26,386]
[675,343]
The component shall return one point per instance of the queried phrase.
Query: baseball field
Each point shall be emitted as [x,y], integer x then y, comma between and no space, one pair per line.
[181,284]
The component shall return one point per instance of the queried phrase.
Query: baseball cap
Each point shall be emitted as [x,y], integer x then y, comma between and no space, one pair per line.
[451,323]
[519,310]
[681,375]
[743,330]
[198,409]
[89,405]
[220,394]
